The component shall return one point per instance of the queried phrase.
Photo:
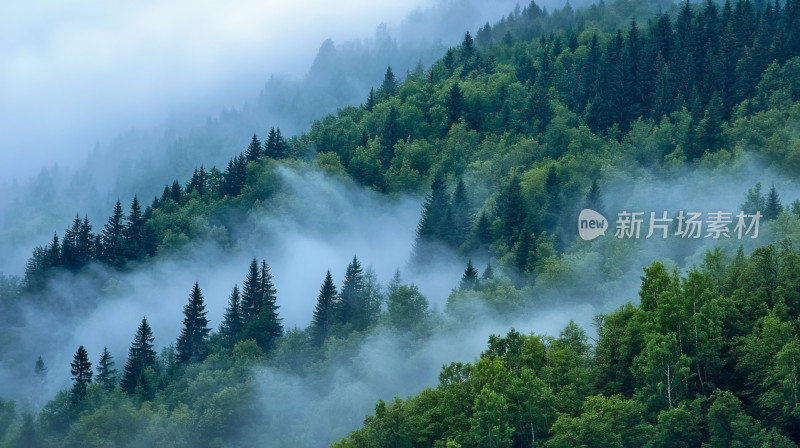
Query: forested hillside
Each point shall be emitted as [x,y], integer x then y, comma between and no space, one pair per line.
[508,135]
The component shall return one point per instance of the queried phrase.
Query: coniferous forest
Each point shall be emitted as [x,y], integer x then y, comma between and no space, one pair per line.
[484,158]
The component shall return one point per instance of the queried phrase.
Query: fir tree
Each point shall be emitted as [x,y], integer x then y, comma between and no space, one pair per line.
[81,370]
[251,292]
[233,319]
[469,280]
[140,356]
[435,221]
[323,316]
[350,296]
[253,151]
[454,103]
[106,373]
[191,345]
[462,215]
[370,101]
[135,232]
[265,325]
[113,237]
[176,192]
[594,198]
[773,207]
[389,85]
[40,369]
[488,273]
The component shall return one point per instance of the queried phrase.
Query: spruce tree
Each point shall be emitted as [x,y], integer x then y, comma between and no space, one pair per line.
[81,371]
[135,232]
[454,103]
[140,356]
[389,85]
[469,280]
[251,292]
[176,192]
[350,296]
[69,245]
[594,198]
[40,369]
[86,248]
[281,147]
[488,273]
[462,215]
[773,206]
[370,101]
[106,373]
[253,151]
[435,221]
[192,341]
[323,316]
[113,237]
[233,319]
[265,325]
[271,144]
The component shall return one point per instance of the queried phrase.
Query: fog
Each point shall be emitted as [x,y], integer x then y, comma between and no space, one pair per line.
[101,102]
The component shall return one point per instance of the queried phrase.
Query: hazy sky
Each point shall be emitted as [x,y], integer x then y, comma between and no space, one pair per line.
[73,73]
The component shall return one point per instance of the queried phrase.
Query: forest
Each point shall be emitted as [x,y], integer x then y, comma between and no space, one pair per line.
[505,138]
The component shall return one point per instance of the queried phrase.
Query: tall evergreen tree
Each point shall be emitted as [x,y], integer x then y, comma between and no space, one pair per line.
[323,316]
[350,297]
[253,151]
[176,192]
[192,342]
[462,215]
[113,238]
[40,369]
[251,292]
[135,232]
[265,325]
[773,206]
[435,221]
[140,356]
[106,373]
[469,280]
[454,103]
[81,370]
[370,101]
[233,319]
[389,85]
[594,198]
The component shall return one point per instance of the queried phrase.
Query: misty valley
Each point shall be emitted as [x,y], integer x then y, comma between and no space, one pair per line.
[489,225]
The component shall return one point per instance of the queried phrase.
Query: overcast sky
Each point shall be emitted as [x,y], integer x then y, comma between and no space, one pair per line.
[73,73]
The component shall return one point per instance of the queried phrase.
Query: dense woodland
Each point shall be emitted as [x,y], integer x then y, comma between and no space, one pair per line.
[508,135]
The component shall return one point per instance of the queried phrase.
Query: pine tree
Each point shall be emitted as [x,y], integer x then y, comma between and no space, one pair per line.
[176,192]
[350,296]
[113,238]
[140,356]
[40,369]
[454,103]
[389,85]
[253,151]
[594,198]
[81,371]
[488,273]
[86,247]
[271,144]
[773,206]
[135,232]
[323,316]
[370,101]
[265,325]
[469,280]
[69,245]
[281,147]
[435,221]
[251,292]
[462,215]
[192,342]
[233,319]
[511,208]
[106,373]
